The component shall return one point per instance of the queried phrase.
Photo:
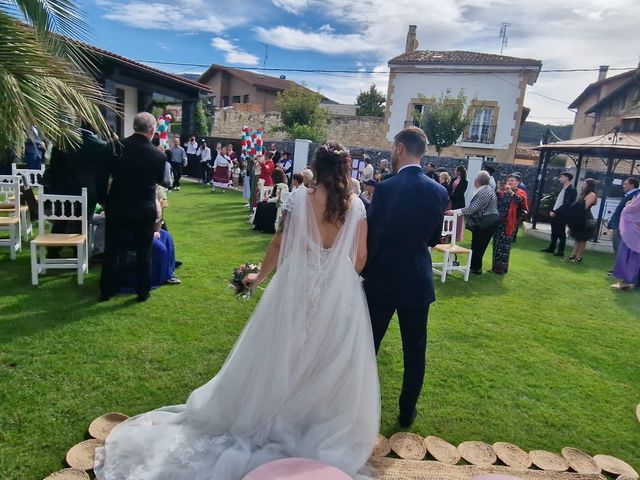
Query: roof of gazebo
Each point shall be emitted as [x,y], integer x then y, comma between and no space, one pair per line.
[620,145]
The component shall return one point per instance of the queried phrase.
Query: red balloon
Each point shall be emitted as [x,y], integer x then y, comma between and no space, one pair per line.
[253,151]
[244,143]
[258,142]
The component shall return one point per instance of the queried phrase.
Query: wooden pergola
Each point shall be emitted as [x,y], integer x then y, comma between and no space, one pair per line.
[612,148]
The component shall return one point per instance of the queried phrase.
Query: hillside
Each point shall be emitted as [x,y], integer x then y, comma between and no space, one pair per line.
[531,132]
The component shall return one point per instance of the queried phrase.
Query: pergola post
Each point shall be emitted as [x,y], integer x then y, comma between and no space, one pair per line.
[578,171]
[538,195]
[605,194]
[540,178]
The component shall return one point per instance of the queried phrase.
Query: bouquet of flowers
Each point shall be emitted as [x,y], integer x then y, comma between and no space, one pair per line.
[239,274]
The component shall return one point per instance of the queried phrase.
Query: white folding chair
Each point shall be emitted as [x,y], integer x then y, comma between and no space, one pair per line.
[63,208]
[284,195]
[450,250]
[10,213]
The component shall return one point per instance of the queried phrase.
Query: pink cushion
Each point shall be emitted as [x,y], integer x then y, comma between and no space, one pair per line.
[296,469]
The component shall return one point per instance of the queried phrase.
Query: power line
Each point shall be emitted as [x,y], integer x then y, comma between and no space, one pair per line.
[384,72]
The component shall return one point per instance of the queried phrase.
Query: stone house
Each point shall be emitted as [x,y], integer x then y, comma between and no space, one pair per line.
[232,86]
[604,103]
[494,85]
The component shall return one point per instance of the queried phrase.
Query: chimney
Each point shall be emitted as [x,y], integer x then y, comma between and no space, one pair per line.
[412,42]
[602,74]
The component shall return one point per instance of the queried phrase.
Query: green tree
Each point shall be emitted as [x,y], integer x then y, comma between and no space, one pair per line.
[371,103]
[445,119]
[45,74]
[200,120]
[301,114]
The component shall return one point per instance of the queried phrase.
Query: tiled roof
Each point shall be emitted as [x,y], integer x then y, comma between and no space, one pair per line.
[256,79]
[591,87]
[143,67]
[632,81]
[461,57]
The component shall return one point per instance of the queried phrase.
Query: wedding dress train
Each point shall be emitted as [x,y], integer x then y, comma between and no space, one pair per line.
[301,380]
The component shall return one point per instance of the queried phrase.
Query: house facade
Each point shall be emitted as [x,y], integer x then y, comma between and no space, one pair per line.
[232,87]
[605,103]
[494,85]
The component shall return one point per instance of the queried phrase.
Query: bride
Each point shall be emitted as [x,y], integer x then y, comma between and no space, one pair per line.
[301,380]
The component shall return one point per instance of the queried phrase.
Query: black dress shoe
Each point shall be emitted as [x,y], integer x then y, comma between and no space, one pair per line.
[477,272]
[558,254]
[105,298]
[405,420]
[143,297]
[547,250]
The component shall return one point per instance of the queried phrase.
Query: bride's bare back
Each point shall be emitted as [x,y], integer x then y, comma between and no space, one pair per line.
[328,230]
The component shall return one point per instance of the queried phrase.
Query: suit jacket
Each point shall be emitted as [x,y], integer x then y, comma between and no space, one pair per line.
[70,171]
[405,218]
[570,195]
[614,221]
[135,174]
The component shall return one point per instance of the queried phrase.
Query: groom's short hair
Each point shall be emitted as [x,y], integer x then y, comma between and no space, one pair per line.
[413,139]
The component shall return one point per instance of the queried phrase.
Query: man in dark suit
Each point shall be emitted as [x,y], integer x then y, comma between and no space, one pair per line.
[130,206]
[405,218]
[558,213]
[631,190]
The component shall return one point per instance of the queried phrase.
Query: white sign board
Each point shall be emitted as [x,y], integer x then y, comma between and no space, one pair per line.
[474,166]
[301,155]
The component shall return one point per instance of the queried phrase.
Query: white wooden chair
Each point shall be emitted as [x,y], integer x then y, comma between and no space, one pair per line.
[60,208]
[10,213]
[31,178]
[265,193]
[284,195]
[450,250]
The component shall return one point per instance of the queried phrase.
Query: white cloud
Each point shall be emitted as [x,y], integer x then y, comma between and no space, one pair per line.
[234,54]
[322,42]
[184,16]
[292,6]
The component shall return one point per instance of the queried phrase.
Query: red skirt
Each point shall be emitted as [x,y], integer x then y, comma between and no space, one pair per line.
[221,177]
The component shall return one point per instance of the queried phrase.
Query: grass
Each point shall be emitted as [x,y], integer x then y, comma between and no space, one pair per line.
[545,357]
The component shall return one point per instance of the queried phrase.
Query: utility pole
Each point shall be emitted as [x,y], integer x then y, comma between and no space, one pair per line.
[503,35]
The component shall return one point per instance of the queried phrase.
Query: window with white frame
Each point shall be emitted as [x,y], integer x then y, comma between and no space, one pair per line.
[481,128]
[420,113]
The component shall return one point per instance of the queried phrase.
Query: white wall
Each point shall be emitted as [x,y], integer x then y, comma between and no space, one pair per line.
[130,107]
[484,86]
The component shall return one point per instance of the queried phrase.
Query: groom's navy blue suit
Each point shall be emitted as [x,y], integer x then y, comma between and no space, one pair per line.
[405,218]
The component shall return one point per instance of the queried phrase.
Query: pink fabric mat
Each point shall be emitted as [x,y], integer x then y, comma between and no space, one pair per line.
[296,469]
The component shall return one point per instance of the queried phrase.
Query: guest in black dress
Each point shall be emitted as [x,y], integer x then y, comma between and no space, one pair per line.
[580,219]
[267,211]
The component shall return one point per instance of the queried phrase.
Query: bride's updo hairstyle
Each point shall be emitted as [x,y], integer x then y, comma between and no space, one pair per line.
[332,169]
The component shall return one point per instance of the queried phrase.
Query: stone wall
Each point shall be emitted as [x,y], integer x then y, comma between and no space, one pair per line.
[349,130]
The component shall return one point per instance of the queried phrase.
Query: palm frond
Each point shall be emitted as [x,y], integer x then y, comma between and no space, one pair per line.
[40,88]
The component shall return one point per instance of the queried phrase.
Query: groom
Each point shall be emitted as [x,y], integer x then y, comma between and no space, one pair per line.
[405,218]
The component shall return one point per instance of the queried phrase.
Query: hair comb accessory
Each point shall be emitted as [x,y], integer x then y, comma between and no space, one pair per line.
[341,153]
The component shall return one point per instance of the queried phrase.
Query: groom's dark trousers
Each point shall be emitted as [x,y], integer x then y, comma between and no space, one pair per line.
[405,218]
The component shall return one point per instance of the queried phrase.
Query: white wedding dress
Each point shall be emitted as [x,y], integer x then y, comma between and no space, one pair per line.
[301,380]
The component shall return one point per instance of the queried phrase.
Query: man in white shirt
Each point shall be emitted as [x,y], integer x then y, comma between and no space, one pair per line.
[204,153]
[193,166]
[367,172]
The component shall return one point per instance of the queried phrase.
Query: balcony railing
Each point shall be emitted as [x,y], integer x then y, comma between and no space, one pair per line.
[482,135]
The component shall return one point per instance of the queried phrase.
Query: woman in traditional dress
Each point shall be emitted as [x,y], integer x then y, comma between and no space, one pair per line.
[221,171]
[627,267]
[512,202]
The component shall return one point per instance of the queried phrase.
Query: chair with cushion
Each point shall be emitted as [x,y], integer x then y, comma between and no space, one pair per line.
[10,213]
[450,251]
[61,208]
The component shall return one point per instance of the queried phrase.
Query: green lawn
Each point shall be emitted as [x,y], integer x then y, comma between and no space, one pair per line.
[545,357]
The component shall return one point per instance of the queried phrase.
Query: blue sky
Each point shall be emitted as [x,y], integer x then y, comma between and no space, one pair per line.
[365,34]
